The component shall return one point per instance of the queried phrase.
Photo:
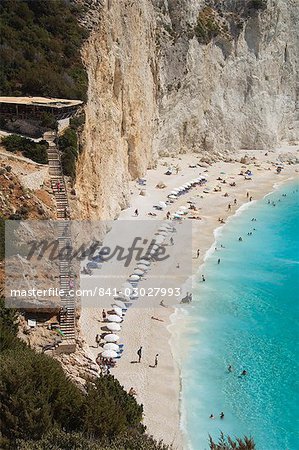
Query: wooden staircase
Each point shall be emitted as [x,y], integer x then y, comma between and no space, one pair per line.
[68,302]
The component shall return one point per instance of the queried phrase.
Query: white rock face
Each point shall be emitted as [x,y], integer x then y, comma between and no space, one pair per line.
[154,89]
[242,97]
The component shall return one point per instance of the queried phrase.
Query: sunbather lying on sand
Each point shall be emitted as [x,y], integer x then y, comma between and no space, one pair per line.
[156,318]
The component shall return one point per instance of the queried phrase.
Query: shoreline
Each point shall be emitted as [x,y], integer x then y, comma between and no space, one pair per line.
[164,420]
[182,312]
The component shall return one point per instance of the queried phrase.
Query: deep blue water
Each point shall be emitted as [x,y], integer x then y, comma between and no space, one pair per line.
[246,315]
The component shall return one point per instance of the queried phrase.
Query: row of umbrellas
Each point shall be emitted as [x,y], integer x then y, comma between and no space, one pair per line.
[177,191]
[126,294]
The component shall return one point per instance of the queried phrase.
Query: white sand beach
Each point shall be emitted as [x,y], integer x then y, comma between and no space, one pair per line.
[158,388]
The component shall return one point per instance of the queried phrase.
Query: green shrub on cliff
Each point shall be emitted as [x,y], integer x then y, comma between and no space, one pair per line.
[258,4]
[227,443]
[40,49]
[68,144]
[206,27]
[41,408]
[37,151]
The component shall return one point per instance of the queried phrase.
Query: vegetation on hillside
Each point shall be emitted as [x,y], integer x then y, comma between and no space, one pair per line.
[227,443]
[206,27]
[41,408]
[258,4]
[37,151]
[40,49]
[69,146]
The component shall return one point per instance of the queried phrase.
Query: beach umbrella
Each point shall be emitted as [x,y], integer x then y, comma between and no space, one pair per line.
[155,247]
[120,304]
[162,204]
[126,287]
[163,228]
[146,262]
[109,354]
[134,295]
[138,272]
[118,311]
[172,196]
[179,212]
[114,318]
[167,225]
[181,188]
[122,297]
[113,326]
[186,186]
[134,277]
[111,337]
[174,192]
[143,267]
[163,233]
[111,346]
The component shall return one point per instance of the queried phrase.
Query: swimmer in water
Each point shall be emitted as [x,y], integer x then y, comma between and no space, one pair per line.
[212,416]
[222,415]
[243,373]
[240,239]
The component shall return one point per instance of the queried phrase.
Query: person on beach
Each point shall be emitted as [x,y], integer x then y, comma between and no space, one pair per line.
[156,318]
[197,253]
[218,261]
[168,215]
[139,353]
[178,265]
[229,206]
[98,340]
[132,392]
[156,360]
[247,194]
[203,278]
[250,199]
[136,212]
[222,415]
[235,201]
[163,304]
[104,315]
[171,241]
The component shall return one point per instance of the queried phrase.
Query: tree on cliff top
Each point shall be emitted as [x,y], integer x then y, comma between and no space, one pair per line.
[40,49]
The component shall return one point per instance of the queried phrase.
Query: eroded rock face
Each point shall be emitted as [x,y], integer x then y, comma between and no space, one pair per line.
[122,106]
[238,90]
[173,76]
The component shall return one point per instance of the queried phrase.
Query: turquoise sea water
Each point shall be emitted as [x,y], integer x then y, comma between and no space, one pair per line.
[246,315]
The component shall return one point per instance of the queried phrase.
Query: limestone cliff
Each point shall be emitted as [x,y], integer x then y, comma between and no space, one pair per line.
[171,76]
[120,57]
